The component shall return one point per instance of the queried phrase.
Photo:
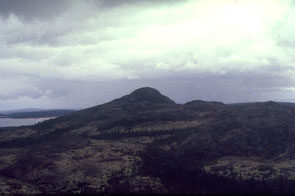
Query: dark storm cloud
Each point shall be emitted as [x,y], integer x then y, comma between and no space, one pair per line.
[32,9]
[45,9]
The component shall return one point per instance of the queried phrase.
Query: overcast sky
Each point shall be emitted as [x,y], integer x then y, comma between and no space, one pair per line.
[80,53]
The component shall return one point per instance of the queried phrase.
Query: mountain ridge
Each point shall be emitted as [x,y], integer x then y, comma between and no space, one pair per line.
[146,143]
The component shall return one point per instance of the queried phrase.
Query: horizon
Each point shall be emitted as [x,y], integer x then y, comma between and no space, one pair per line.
[77,109]
[77,54]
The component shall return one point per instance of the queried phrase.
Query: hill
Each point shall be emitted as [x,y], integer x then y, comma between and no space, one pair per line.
[146,143]
[22,110]
[39,114]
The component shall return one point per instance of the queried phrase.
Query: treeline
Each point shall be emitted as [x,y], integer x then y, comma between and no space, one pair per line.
[39,114]
[183,173]
[32,140]
[114,135]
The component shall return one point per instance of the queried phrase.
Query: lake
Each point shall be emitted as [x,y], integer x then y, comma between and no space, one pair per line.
[11,122]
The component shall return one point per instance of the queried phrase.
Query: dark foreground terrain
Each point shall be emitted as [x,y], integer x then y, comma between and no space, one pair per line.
[145,143]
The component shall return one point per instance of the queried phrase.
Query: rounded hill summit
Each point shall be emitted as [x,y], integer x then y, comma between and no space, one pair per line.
[147,94]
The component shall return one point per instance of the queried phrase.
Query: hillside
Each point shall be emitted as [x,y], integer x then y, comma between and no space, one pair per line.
[146,143]
[38,114]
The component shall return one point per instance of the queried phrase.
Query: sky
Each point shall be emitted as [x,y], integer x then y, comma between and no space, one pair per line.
[81,53]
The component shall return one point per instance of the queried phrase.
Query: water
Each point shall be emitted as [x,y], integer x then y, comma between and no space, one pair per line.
[11,122]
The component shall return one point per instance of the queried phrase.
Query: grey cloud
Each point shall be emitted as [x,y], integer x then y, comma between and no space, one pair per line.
[32,9]
[13,90]
[287,43]
[46,9]
[116,3]
[24,93]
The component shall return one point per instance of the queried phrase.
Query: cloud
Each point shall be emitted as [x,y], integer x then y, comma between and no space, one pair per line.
[32,9]
[237,43]
[14,89]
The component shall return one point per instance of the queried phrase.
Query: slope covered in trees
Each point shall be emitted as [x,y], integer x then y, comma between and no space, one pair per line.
[146,143]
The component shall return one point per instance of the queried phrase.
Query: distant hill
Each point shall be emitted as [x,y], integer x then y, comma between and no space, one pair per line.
[146,143]
[22,110]
[35,114]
